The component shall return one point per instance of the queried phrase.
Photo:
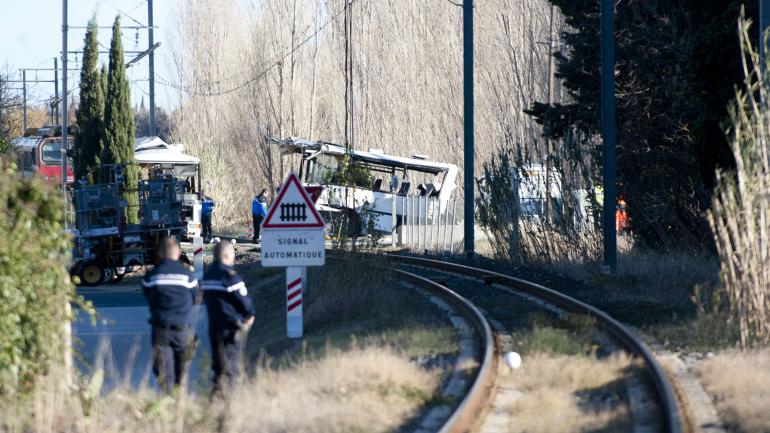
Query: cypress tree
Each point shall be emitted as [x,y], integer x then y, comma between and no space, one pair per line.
[103,80]
[90,114]
[118,134]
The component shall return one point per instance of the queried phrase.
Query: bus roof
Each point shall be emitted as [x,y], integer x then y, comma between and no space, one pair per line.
[309,147]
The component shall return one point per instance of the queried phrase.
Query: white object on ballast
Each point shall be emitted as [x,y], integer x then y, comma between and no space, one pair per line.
[512,360]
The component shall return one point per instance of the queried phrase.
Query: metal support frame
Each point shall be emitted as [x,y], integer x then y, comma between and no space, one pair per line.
[24,97]
[55,106]
[151,48]
[468,123]
[608,132]
[64,119]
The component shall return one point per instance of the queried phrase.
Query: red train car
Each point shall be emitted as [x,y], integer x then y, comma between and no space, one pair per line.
[40,152]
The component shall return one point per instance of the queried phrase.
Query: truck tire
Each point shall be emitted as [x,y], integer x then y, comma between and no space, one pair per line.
[90,274]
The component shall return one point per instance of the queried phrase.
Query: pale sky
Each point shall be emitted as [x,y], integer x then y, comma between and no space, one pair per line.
[31,36]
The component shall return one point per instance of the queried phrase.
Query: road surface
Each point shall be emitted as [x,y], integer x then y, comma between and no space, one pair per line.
[120,340]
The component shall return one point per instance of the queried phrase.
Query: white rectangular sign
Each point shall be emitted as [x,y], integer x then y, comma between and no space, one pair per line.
[293,247]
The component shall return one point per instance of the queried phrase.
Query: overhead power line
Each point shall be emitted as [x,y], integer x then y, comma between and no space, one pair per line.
[214,88]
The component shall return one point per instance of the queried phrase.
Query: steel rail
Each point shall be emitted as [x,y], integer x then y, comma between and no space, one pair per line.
[479,396]
[672,417]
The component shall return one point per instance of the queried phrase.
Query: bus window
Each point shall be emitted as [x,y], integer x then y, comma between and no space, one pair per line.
[321,169]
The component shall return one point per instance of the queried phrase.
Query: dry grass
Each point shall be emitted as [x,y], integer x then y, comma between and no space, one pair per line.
[368,390]
[350,299]
[670,275]
[741,211]
[739,382]
[372,390]
[566,394]
[675,296]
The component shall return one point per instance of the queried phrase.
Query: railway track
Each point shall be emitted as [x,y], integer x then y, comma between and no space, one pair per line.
[481,393]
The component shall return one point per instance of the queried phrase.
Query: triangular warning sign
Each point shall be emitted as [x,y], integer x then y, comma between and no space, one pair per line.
[292,209]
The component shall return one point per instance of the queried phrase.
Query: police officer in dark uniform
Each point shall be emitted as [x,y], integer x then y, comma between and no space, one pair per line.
[231,314]
[172,292]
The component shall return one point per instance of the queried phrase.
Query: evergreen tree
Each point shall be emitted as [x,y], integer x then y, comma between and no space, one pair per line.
[677,62]
[90,114]
[103,79]
[118,135]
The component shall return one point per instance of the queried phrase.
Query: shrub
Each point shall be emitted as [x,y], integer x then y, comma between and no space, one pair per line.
[35,289]
[518,239]
[740,217]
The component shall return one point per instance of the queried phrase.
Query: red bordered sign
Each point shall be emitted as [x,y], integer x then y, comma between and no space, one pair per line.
[293,208]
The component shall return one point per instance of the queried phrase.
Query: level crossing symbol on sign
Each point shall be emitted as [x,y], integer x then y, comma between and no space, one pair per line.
[293,237]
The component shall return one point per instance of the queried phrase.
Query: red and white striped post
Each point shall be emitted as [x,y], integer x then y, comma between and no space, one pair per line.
[295,282]
[198,257]
[292,237]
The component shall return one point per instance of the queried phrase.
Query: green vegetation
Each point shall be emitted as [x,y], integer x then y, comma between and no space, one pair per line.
[90,114]
[350,173]
[118,133]
[162,122]
[35,288]
[5,146]
[567,334]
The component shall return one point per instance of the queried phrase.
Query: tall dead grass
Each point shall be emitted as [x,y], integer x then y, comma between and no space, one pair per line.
[740,217]
[739,382]
[559,394]
[372,390]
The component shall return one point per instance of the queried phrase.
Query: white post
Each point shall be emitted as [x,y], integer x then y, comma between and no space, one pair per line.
[433,224]
[429,227]
[425,227]
[404,222]
[420,225]
[198,257]
[416,220]
[446,223]
[295,280]
[411,226]
[393,219]
[452,230]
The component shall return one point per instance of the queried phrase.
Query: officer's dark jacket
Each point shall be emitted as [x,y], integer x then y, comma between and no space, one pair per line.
[227,300]
[171,291]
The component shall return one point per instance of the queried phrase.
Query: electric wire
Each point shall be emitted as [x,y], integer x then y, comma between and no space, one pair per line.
[194,89]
